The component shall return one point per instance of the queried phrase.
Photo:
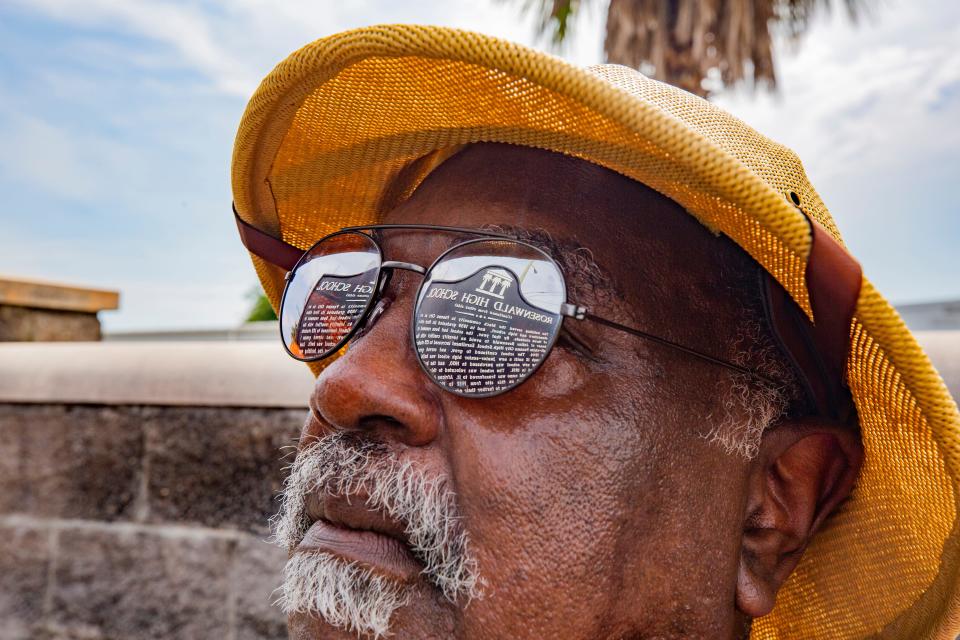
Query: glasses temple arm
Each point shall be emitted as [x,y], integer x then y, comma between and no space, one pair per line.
[580,313]
[279,253]
[286,256]
[266,247]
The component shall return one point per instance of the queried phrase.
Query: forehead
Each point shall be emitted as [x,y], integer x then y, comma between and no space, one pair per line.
[628,228]
[510,184]
[672,272]
[570,200]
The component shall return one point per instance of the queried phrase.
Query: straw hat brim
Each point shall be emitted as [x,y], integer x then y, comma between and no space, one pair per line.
[346,128]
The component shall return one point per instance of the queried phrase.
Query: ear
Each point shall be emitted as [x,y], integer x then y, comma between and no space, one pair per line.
[803,471]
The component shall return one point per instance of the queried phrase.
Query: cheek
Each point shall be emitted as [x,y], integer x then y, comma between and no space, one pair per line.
[547,495]
[560,377]
[580,503]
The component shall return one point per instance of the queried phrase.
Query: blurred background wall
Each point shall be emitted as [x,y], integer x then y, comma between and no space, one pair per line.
[136,480]
[137,476]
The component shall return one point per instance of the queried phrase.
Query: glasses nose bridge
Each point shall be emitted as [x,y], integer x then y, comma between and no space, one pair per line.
[389,266]
[406,266]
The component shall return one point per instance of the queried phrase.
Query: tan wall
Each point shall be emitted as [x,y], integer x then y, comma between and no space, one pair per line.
[44,311]
[36,325]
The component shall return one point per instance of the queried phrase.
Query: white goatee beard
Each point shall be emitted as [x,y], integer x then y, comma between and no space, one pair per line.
[346,594]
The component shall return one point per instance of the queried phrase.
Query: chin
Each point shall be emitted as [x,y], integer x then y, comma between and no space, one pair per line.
[425,618]
[301,626]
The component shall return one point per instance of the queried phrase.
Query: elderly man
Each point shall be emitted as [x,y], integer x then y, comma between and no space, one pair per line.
[592,362]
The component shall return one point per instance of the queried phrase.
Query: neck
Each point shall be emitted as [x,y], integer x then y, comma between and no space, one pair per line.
[741,628]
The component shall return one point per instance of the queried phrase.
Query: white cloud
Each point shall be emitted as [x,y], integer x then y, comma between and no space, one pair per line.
[872,111]
[861,100]
[184,28]
[234,43]
[841,94]
[41,155]
[70,164]
[866,108]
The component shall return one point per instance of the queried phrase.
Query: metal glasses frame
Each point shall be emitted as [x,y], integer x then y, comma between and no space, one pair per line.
[567,309]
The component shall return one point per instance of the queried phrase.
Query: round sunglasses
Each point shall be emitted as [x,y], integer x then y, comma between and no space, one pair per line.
[486,315]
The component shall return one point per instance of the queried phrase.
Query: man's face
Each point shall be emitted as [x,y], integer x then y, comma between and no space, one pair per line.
[585,503]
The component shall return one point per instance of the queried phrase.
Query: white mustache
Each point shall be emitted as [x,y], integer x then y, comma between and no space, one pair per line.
[340,464]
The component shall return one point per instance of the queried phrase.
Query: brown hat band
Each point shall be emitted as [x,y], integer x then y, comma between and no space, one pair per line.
[818,349]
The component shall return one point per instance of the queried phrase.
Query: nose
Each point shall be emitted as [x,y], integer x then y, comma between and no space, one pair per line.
[378,386]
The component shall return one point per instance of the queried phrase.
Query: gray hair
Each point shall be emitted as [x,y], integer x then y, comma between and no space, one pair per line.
[346,594]
[749,406]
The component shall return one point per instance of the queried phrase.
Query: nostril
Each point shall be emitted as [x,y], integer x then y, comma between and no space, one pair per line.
[381,419]
[380,425]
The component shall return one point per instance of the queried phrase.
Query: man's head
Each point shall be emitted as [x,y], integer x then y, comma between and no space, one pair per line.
[625,490]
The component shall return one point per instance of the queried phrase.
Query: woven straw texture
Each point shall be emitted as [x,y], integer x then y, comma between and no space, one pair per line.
[346,127]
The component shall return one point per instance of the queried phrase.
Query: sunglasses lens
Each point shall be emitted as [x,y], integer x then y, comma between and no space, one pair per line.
[487,314]
[327,294]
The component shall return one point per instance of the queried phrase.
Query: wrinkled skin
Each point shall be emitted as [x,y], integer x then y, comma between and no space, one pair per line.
[595,506]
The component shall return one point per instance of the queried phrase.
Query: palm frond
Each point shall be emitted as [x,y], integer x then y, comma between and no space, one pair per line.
[683,42]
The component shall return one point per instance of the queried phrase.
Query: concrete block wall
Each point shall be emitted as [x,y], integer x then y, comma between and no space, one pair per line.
[140,522]
[137,520]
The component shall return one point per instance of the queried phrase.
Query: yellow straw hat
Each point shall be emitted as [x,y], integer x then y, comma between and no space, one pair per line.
[346,128]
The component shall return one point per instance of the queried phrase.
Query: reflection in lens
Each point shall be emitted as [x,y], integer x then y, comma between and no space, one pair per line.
[487,315]
[328,293]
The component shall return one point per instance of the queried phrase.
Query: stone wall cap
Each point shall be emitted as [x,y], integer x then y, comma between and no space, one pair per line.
[225,374]
[229,374]
[39,294]
[943,347]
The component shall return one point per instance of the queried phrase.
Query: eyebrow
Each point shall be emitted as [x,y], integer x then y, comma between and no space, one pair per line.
[588,279]
[583,273]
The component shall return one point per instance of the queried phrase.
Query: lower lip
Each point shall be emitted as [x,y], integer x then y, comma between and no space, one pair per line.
[385,555]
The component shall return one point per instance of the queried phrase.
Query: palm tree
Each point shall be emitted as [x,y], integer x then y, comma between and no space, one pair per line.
[685,41]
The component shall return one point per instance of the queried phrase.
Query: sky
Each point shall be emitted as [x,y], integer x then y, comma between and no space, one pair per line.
[117,121]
